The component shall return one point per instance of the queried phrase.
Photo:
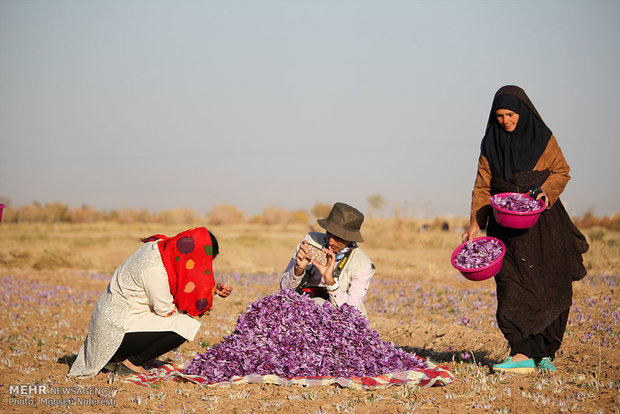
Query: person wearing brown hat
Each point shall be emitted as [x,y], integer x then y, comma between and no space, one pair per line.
[330,266]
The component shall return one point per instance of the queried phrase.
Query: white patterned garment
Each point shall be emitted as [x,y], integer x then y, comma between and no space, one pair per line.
[137,299]
[354,279]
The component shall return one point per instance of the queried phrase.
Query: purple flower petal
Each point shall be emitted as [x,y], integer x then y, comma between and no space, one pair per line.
[289,335]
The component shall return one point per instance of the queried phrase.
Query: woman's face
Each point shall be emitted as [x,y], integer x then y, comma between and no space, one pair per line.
[336,243]
[507,119]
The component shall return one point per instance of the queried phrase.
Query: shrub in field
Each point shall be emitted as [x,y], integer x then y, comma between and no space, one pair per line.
[589,220]
[223,214]
[376,202]
[9,214]
[31,213]
[180,216]
[275,215]
[124,216]
[320,210]
[299,217]
[48,213]
[611,222]
[145,216]
[55,213]
[85,214]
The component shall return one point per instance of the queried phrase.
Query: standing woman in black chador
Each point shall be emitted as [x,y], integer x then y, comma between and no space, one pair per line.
[534,288]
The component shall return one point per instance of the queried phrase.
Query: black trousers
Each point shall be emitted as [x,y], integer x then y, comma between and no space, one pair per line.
[545,343]
[141,347]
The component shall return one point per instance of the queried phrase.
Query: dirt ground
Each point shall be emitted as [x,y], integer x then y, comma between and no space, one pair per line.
[51,276]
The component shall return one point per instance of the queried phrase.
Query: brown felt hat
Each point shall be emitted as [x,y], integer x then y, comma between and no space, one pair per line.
[344,221]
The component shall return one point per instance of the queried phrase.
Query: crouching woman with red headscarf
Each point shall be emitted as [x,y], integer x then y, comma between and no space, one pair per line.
[145,310]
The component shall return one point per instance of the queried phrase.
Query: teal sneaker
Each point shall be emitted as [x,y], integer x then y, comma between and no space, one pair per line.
[545,365]
[519,367]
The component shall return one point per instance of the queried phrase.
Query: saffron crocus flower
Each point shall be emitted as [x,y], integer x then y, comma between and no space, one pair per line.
[478,253]
[289,335]
[516,202]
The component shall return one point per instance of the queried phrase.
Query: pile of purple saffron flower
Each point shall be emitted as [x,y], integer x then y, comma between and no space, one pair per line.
[288,335]
[478,253]
[515,202]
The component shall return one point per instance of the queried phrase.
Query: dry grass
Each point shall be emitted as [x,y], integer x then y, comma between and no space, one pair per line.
[53,273]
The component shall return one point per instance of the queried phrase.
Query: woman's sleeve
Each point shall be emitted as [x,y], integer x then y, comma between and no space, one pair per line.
[553,160]
[354,296]
[158,291]
[481,193]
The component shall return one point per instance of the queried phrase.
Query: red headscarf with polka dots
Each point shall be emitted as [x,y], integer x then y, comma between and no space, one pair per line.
[188,259]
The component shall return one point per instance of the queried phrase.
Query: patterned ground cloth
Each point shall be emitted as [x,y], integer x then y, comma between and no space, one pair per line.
[433,375]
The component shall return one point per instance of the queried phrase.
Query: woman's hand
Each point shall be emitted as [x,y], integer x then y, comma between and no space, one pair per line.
[222,290]
[544,196]
[471,233]
[327,271]
[302,259]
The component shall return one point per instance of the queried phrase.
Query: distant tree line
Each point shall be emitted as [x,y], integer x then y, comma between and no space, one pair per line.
[219,215]
[589,220]
[226,214]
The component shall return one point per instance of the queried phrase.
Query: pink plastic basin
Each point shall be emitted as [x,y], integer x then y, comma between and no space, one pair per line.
[484,272]
[516,219]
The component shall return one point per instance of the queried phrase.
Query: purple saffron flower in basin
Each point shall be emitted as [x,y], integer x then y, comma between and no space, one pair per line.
[478,253]
[516,210]
[515,202]
[289,335]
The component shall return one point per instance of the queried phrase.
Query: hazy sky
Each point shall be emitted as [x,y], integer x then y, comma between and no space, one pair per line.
[164,104]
